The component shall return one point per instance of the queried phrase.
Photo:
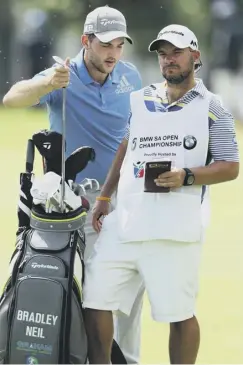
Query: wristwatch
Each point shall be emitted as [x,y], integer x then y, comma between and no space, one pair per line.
[189,178]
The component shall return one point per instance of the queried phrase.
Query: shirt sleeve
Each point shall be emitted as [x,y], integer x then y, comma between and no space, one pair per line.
[48,97]
[223,144]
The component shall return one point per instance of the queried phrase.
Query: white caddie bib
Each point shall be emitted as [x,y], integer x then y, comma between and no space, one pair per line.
[180,136]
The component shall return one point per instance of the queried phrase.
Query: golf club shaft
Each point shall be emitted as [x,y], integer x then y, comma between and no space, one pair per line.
[62,63]
[63,148]
[30,155]
[44,164]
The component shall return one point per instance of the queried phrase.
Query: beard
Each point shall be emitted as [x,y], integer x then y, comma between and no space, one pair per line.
[178,79]
[95,62]
[98,66]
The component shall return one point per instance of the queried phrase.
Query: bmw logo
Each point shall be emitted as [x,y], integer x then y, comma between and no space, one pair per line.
[189,142]
[134,143]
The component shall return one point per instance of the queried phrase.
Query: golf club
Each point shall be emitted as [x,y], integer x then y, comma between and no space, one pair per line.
[61,62]
[77,161]
[30,156]
[91,185]
[25,198]
[49,145]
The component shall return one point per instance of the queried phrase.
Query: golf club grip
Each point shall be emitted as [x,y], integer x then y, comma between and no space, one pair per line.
[30,155]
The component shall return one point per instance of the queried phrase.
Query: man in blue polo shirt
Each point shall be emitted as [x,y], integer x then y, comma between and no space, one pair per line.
[98,98]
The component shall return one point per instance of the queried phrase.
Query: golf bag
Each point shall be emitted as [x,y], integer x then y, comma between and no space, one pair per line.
[41,313]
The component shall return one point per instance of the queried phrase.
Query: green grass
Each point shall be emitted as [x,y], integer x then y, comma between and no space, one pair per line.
[220,301]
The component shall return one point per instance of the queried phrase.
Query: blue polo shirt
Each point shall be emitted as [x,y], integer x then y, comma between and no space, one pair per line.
[96,115]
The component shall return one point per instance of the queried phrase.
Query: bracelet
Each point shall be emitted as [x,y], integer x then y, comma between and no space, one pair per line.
[103,198]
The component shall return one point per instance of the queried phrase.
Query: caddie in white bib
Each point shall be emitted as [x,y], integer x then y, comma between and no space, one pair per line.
[180,137]
[179,141]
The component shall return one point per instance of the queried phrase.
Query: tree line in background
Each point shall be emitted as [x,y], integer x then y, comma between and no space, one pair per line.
[207,18]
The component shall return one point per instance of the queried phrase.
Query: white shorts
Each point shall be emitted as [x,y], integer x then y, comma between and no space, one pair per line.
[115,272]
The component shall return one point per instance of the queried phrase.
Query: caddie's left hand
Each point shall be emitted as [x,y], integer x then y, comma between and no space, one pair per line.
[171,179]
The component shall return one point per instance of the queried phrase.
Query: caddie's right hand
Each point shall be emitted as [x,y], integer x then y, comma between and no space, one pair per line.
[100,209]
[60,76]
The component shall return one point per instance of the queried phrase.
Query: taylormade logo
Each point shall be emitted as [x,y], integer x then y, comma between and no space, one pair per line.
[171,31]
[105,22]
[47,145]
[34,265]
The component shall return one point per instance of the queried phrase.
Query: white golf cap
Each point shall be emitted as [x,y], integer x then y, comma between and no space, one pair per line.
[178,35]
[106,24]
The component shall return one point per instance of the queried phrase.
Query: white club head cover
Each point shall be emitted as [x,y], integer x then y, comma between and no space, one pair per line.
[44,187]
[46,190]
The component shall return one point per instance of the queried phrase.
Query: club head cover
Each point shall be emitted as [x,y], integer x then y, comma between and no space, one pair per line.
[49,145]
[77,161]
[44,187]
[85,203]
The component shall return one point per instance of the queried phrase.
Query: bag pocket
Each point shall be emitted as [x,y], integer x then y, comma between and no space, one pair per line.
[78,338]
[49,241]
[45,266]
[4,309]
[36,320]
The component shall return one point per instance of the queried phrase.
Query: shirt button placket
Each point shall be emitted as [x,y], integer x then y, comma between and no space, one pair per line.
[102,96]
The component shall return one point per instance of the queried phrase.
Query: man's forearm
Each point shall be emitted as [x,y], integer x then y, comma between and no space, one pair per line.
[113,176]
[215,173]
[27,93]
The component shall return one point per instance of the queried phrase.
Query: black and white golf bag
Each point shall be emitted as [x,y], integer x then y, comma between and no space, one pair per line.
[41,314]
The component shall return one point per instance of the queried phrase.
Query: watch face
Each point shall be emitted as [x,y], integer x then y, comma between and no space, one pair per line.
[190,180]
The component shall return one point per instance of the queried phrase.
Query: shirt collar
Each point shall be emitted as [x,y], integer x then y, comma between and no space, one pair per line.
[84,75]
[199,89]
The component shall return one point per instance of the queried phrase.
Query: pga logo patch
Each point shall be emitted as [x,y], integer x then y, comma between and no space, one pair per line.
[189,142]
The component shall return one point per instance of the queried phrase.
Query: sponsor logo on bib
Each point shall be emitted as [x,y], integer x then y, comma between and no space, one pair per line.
[138,169]
[134,143]
[189,142]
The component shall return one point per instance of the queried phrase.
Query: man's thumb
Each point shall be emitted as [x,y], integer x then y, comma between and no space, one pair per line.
[67,62]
